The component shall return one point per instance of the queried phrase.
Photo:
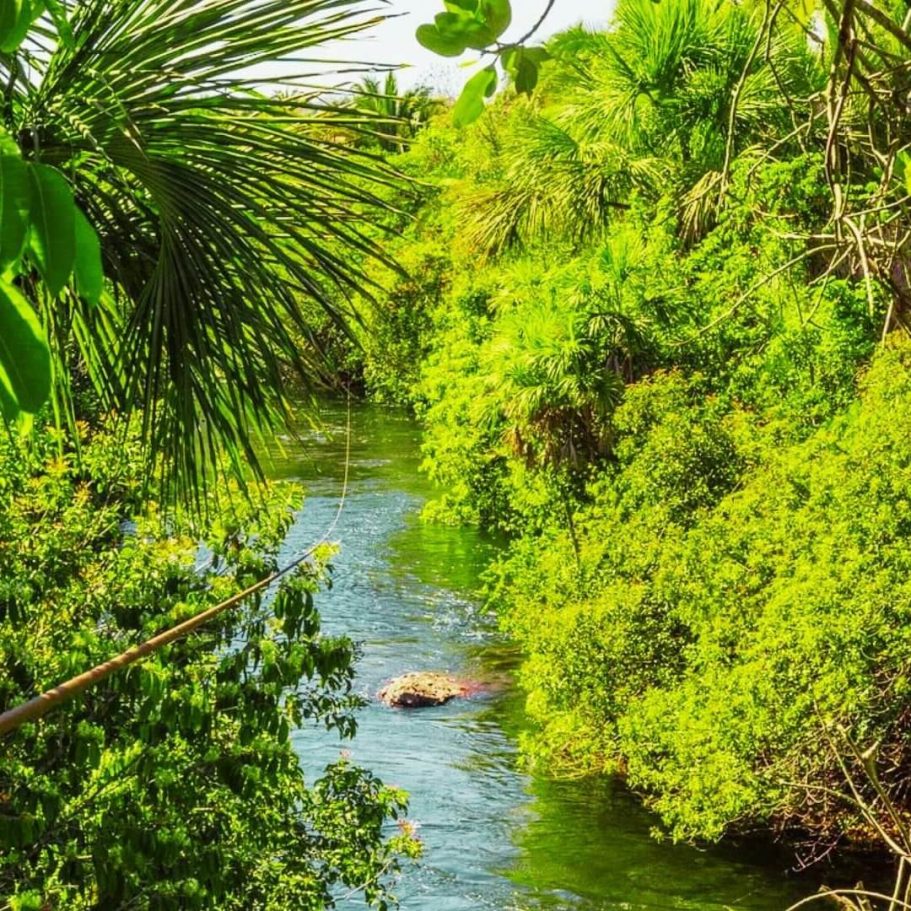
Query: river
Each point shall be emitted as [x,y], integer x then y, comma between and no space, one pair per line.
[494,838]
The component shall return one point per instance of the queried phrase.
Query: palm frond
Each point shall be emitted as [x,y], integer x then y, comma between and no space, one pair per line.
[221,207]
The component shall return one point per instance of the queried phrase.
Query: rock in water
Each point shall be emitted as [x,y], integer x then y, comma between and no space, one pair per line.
[420,689]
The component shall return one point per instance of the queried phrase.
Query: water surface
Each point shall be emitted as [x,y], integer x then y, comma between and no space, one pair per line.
[494,838]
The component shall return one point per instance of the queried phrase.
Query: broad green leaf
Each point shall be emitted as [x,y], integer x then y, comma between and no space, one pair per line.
[20,20]
[58,14]
[9,407]
[25,359]
[521,65]
[465,28]
[497,14]
[429,36]
[537,55]
[14,201]
[7,144]
[53,222]
[89,271]
[526,76]
[479,36]
[10,11]
[470,105]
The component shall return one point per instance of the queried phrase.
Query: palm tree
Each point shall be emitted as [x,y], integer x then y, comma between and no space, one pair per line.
[562,352]
[400,115]
[219,205]
[661,102]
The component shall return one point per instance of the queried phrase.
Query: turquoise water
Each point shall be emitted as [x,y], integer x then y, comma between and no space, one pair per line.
[494,837]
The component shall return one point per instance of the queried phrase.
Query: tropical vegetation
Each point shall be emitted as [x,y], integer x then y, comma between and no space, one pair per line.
[171,225]
[646,288]
[173,784]
[653,324]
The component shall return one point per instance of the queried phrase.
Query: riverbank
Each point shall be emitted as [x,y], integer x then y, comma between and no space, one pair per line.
[494,837]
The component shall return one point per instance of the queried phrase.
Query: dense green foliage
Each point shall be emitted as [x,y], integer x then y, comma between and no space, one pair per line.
[645,307]
[640,347]
[169,228]
[174,238]
[726,600]
[173,784]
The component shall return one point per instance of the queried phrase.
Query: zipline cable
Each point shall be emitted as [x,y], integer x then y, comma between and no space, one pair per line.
[40,705]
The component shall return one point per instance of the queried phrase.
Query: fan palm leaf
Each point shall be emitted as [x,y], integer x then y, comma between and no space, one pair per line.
[400,115]
[220,206]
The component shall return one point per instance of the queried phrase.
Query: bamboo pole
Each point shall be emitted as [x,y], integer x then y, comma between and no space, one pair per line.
[39,706]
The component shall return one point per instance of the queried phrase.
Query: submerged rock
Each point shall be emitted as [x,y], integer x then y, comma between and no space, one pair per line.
[420,689]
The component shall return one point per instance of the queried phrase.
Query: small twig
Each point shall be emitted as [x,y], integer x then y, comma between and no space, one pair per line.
[830,893]
[738,90]
[751,291]
[534,29]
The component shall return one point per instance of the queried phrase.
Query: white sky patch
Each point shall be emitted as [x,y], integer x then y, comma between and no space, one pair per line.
[392,42]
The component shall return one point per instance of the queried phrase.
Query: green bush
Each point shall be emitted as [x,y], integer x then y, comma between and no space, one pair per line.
[637,350]
[734,600]
[172,784]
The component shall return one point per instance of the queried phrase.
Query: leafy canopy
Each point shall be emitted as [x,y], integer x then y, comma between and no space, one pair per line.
[175,784]
[166,216]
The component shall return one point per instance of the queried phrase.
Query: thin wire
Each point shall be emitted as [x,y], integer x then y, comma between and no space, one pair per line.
[40,705]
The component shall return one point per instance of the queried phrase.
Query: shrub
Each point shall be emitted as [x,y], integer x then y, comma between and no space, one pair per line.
[172,784]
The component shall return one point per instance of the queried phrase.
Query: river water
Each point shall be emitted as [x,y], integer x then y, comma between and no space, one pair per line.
[494,838]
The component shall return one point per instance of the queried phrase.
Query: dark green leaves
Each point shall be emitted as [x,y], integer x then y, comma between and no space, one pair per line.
[523,64]
[53,234]
[61,240]
[10,11]
[15,18]
[233,792]
[36,203]
[470,105]
[14,200]
[88,268]
[25,361]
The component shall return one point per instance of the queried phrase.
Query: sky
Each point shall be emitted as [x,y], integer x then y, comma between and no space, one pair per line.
[393,41]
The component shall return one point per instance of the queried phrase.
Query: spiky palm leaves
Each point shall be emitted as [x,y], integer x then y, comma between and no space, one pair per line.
[399,115]
[558,363]
[219,205]
[661,102]
[552,183]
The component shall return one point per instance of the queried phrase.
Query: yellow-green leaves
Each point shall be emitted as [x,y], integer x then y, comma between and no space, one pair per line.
[25,360]
[470,105]
[53,230]
[479,24]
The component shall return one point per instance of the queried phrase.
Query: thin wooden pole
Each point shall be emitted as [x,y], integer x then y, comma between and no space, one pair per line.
[35,708]
[41,705]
